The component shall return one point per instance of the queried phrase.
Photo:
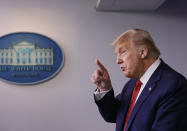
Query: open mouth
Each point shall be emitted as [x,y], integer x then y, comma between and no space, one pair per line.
[123,68]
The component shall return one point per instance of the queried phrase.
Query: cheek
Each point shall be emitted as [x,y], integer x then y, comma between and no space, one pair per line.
[132,62]
[129,60]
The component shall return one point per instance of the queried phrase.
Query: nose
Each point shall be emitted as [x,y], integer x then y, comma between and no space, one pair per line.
[118,60]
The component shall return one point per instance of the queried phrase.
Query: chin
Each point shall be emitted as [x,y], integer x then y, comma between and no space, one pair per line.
[128,75]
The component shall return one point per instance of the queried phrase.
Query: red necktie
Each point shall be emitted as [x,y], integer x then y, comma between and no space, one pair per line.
[133,100]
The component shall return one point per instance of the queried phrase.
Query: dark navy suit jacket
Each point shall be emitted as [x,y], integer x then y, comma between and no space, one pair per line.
[162,105]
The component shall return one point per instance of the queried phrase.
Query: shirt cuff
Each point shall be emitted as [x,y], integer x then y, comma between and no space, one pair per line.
[100,95]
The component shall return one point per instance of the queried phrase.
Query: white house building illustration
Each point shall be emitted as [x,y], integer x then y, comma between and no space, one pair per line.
[25,54]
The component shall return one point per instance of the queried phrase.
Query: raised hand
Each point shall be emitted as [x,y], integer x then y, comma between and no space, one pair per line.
[101,78]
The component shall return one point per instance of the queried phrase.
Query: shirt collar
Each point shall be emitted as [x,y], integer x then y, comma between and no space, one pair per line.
[144,79]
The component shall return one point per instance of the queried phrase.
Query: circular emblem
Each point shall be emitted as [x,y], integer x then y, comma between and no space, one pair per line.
[29,58]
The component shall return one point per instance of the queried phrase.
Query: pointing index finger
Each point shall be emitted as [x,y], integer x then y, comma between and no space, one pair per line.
[100,65]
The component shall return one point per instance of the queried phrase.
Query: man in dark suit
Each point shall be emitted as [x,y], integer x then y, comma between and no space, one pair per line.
[154,99]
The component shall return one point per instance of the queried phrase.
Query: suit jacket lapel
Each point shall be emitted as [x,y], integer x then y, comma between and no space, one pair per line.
[151,84]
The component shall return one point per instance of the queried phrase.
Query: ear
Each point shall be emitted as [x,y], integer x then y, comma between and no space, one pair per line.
[143,51]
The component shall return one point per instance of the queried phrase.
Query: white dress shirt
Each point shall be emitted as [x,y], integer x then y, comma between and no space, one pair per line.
[144,79]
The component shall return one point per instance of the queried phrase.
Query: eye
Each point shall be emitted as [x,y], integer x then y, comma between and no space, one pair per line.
[123,52]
